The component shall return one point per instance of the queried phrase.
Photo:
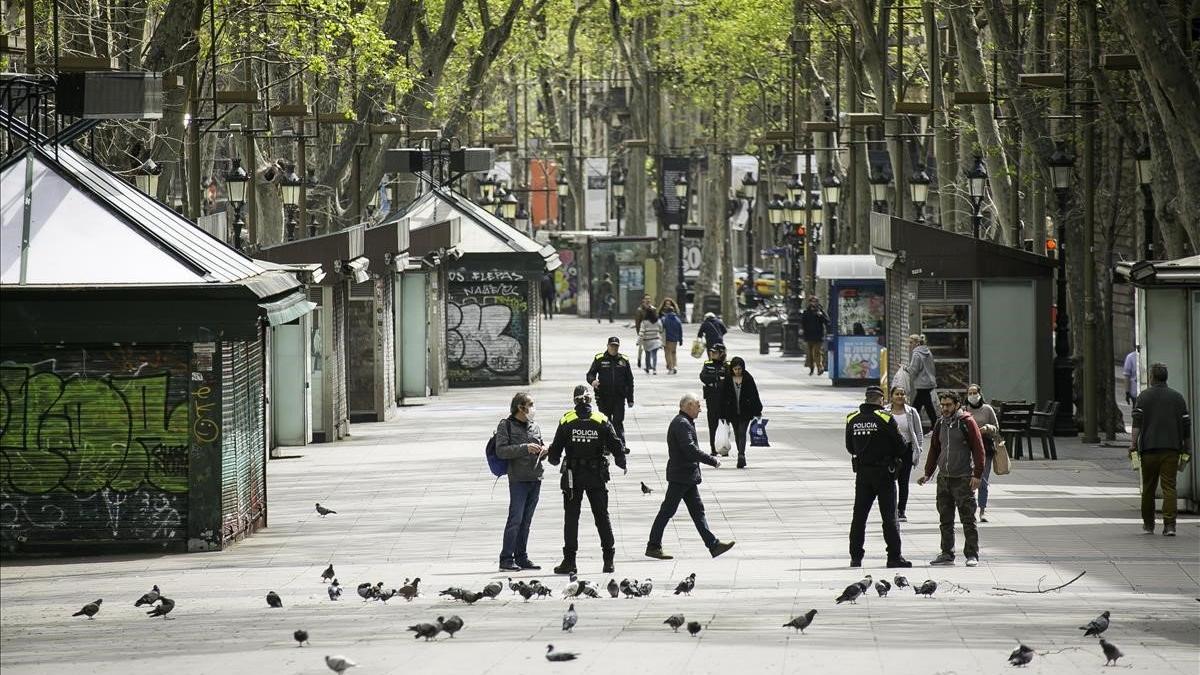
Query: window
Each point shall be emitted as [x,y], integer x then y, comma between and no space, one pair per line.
[947,330]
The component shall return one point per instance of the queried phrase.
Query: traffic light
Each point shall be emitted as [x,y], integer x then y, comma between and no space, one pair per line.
[1051,247]
[800,232]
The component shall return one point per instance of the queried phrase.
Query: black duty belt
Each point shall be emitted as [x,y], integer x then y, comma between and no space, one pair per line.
[584,463]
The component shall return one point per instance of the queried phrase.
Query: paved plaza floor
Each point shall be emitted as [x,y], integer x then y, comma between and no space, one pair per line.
[415,499]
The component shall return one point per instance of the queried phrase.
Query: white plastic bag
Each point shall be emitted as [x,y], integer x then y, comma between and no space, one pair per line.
[724,438]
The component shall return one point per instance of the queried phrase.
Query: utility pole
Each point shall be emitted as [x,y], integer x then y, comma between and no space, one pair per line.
[1089,263]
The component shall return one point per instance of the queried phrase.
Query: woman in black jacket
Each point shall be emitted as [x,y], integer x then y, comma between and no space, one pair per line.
[740,404]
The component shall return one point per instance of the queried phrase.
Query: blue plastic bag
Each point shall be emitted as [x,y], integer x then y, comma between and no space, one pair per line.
[758,432]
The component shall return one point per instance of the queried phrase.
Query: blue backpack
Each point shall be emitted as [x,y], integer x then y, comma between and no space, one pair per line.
[498,466]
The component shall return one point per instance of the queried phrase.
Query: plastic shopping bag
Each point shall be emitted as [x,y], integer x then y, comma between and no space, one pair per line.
[758,432]
[697,348]
[724,439]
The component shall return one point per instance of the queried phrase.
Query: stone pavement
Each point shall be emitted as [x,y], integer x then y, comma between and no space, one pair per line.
[415,499]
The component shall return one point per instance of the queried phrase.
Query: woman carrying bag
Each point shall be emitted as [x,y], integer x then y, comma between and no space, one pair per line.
[908,419]
[989,428]
[740,404]
[650,334]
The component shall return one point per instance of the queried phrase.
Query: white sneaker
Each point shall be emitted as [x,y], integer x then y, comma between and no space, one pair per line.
[972,562]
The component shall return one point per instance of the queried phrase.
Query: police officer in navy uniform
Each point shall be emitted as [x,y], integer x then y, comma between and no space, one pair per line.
[586,436]
[713,374]
[874,441]
[612,378]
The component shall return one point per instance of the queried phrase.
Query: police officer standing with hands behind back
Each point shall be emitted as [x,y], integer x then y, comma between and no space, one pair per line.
[874,440]
[586,436]
[612,378]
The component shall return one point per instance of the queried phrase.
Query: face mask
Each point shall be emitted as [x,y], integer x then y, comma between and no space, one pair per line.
[974,399]
[529,413]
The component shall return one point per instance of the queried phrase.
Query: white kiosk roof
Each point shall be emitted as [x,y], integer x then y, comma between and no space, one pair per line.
[848,267]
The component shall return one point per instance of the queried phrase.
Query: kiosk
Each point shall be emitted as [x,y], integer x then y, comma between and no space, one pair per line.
[857,332]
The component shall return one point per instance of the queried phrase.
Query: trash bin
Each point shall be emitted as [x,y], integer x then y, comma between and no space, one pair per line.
[712,303]
[764,344]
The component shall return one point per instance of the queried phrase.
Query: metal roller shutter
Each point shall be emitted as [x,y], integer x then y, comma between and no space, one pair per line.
[243,485]
[341,414]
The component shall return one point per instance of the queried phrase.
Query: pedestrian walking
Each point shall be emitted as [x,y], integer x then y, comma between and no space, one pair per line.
[549,295]
[908,420]
[1131,375]
[740,404]
[639,315]
[673,334]
[873,440]
[956,453]
[650,336]
[587,439]
[922,376]
[1161,445]
[683,481]
[519,440]
[712,329]
[712,376]
[606,299]
[989,429]
[612,378]
[814,322]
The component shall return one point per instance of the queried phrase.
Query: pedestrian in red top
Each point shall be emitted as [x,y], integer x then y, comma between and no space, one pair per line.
[956,451]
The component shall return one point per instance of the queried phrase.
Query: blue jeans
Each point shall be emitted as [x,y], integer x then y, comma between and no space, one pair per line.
[522,500]
[651,359]
[689,494]
[983,483]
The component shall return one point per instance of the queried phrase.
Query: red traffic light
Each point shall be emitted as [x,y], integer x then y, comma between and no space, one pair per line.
[800,231]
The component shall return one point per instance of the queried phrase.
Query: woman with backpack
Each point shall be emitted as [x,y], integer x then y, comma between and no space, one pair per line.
[518,441]
[650,335]
[740,404]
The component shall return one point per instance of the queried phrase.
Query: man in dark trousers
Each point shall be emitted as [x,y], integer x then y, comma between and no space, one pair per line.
[606,302]
[612,378]
[1161,445]
[683,481]
[712,375]
[814,322]
[549,295]
[586,437]
[712,329]
[874,441]
[956,454]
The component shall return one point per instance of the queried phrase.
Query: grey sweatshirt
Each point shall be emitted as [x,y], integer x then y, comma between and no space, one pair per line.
[512,443]
[922,374]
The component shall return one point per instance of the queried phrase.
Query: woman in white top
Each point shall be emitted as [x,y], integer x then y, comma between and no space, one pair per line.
[651,334]
[908,419]
[989,427]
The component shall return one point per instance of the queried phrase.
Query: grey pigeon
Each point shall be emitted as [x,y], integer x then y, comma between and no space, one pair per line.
[324,511]
[492,590]
[882,587]
[339,664]
[588,591]
[850,594]
[411,590]
[542,591]
[570,618]
[614,589]
[452,625]
[526,592]
[366,591]
[801,622]
[694,628]
[631,591]
[427,630]
[512,585]
[1096,626]
[646,587]
[674,621]
[552,655]
[148,598]
[571,589]
[1111,653]
[1021,656]
[328,573]
[384,596]
[89,610]
[865,583]
[335,590]
[471,597]
[164,608]
[273,600]
[453,592]
[646,490]
[301,637]
[927,588]
[901,581]
[686,585]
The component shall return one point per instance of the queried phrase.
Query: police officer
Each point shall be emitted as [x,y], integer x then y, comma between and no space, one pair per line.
[874,441]
[612,378]
[586,436]
[713,374]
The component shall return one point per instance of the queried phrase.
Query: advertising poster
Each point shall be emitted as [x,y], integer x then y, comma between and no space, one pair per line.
[859,358]
[740,165]
[595,210]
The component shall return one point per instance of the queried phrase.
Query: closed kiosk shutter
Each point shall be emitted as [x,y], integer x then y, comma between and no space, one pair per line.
[341,415]
[243,482]
[387,338]
[535,331]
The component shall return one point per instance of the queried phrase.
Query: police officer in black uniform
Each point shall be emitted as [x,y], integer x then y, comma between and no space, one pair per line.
[586,436]
[713,374]
[874,441]
[612,378]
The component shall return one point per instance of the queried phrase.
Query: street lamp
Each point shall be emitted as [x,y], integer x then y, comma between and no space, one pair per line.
[1145,173]
[289,189]
[563,188]
[487,188]
[777,210]
[145,175]
[235,188]
[918,190]
[508,206]
[1061,165]
[879,182]
[618,191]
[681,193]
[795,188]
[521,220]
[310,184]
[976,185]
[748,191]
[831,192]
[816,220]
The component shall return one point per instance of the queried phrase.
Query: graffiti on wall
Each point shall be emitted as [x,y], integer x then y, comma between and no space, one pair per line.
[94,443]
[566,280]
[487,319]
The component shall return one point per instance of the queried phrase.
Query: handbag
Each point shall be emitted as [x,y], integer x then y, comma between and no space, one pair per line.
[697,348]
[724,438]
[1000,462]
[758,432]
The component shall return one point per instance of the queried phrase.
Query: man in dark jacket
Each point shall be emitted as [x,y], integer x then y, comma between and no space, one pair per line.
[586,437]
[1161,445]
[605,301]
[683,480]
[713,374]
[874,442]
[612,378]
[712,329]
[519,440]
[549,295]
[814,322]
[956,453]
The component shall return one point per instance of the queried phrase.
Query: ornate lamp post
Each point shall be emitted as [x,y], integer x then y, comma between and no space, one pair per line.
[289,190]
[748,191]
[977,178]
[235,189]
[563,188]
[812,243]
[918,190]
[681,193]
[831,192]
[1145,173]
[618,192]
[879,182]
[1061,165]
[508,206]
[521,220]
[145,176]
[487,188]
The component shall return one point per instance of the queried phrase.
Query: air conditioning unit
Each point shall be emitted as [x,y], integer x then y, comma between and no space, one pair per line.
[110,95]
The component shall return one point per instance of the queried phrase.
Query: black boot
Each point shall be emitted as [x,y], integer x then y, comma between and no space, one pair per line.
[568,563]
[741,460]
[608,560]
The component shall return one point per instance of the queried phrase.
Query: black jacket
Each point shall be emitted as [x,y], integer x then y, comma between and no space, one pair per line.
[586,436]
[684,453]
[1160,415]
[751,404]
[512,443]
[814,322]
[548,290]
[873,437]
[713,375]
[616,377]
[712,330]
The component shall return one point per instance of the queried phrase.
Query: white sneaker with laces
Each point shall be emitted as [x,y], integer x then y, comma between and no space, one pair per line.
[972,562]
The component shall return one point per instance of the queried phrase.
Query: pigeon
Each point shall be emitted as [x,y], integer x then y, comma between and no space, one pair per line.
[366,591]
[148,598]
[865,583]
[901,581]
[694,627]
[427,630]
[384,596]
[570,618]
[324,511]
[801,622]
[335,590]
[926,588]
[328,573]
[850,594]
[686,585]
[1111,653]
[631,591]
[512,585]
[452,625]
[471,597]
[453,592]
[646,586]
[552,655]
[492,590]
[164,608]
[542,591]
[572,589]
[614,589]
[273,600]
[646,490]
[339,664]
[674,621]
[1020,656]
[882,587]
[301,637]
[410,590]
[1096,626]
[526,592]
[589,591]
[89,610]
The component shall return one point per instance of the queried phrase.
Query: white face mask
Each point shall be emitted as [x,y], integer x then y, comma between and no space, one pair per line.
[529,413]
[974,399]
